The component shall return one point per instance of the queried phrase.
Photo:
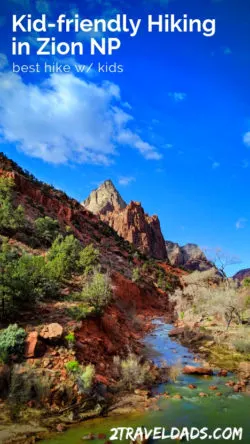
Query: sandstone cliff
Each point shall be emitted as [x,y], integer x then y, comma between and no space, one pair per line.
[129,221]
[134,225]
[189,256]
[103,199]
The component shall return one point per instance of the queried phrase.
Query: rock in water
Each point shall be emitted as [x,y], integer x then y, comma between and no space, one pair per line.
[191,370]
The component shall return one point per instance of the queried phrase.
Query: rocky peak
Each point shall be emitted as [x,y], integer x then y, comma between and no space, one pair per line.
[104,199]
[189,256]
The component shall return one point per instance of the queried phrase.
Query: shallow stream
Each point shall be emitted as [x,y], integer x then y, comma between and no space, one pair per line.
[229,410]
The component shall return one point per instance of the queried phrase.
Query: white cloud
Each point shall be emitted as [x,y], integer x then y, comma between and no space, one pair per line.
[126,180]
[66,118]
[240,223]
[215,165]
[177,96]
[127,105]
[246,138]
[3,61]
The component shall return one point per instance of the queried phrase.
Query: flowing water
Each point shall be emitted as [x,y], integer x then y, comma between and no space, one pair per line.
[229,410]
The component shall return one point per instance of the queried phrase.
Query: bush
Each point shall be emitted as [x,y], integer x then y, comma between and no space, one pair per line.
[23,279]
[97,292]
[46,229]
[132,372]
[88,258]
[136,275]
[70,338]
[26,384]
[63,257]
[12,341]
[79,312]
[175,371]
[87,377]
[72,366]
[242,345]
[246,282]
[11,218]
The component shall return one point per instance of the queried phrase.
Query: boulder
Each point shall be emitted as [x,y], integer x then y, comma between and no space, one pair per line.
[33,347]
[223,373]
[176,332]
[191,370]
[203,395]
[51,332]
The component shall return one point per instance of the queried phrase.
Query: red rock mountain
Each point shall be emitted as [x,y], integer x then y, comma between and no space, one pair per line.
[242,274]
[129,221]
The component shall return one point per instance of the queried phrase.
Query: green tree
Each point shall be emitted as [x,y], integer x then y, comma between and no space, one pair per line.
[63,257]
[88,258]
[11,218]
[46,229]
[97,292]
[23,279]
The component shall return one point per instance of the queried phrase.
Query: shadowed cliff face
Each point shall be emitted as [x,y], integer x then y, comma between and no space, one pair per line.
[242,274]
[129,221]
[190,256]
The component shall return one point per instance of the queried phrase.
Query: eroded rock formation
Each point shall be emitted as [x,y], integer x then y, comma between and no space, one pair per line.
[129,221]
[105,198]
[189,256]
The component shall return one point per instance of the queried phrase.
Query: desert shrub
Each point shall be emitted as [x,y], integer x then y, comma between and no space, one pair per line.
[242,345]
[175,371]
[63,256]
[11,217]
[12,341]
[27,384]
[206,295]
[70,338]
[97,292]
[86,378]
[246,282]
[46,229]
[88,258]
[136,275]
[79,312]
[72,366]
[133,373]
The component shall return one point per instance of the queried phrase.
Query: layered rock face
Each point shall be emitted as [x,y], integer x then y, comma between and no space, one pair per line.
[134,225]
[129,221]
[189,256]
[103,199]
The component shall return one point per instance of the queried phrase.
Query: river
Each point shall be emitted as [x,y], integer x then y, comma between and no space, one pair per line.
[229,410]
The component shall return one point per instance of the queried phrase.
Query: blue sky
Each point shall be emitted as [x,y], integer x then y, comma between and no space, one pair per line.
[172,130]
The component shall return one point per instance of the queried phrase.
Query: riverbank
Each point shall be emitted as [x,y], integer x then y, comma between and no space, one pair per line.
[190,400]
[161,343]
